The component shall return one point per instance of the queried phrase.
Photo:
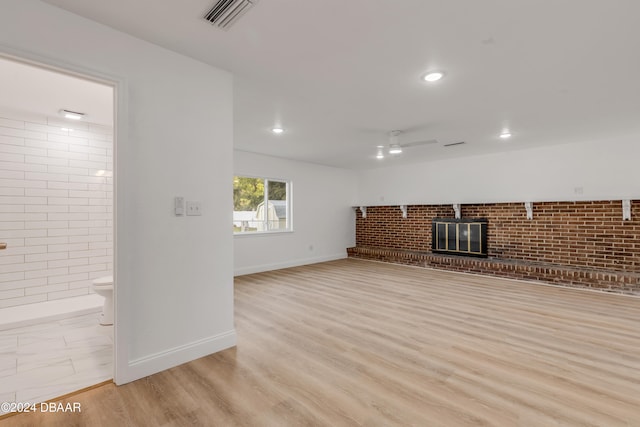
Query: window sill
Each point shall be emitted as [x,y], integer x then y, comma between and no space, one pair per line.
[262,233]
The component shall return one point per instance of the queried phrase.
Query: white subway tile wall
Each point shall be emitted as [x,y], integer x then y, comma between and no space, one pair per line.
[56,207]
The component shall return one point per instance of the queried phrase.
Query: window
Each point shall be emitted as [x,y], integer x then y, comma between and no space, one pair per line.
[261,205]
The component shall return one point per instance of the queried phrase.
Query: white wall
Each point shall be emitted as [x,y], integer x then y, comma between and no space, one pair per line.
[56,207]
[174,275]
[323,220]
[595,170]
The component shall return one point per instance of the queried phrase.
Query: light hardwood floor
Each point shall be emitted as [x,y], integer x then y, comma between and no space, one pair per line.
[355,342]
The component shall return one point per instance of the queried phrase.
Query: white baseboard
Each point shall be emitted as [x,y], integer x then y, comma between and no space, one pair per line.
[154,363]
[287,264]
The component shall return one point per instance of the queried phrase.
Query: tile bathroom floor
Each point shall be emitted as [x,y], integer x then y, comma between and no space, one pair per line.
[43,361]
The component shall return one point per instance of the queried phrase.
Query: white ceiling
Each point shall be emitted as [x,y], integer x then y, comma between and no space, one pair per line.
[28,89]
[338,75]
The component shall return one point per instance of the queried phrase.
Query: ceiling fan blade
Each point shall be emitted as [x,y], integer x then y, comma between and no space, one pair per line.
[417,143]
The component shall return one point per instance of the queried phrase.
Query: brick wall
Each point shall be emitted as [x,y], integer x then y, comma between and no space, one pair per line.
[585,237]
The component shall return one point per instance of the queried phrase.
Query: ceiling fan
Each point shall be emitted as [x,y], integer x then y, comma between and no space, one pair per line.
[395,147]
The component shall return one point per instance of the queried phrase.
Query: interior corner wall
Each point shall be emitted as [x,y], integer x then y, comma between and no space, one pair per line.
[592,170]
[323,219]
[173,275]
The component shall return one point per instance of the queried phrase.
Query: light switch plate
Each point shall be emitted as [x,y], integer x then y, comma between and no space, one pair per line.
[194,208]
[178,206]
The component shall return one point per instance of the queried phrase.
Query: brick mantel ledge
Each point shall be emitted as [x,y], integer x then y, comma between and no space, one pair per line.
[603,280]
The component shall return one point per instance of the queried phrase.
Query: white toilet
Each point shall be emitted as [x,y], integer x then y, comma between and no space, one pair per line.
[103,286]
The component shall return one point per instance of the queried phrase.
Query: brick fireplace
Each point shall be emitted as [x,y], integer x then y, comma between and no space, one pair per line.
[466,236]
[583,244]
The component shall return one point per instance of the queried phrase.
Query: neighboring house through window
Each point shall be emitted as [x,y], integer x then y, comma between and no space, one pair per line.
[261,205]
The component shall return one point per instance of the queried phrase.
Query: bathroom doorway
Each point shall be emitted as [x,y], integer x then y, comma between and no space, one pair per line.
[56,220]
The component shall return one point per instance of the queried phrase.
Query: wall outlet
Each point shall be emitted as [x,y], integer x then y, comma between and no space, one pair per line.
[194,208]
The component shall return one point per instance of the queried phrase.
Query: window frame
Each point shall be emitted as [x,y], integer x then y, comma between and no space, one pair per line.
[289,205]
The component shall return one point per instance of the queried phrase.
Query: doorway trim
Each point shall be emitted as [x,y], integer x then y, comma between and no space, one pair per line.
[120,103]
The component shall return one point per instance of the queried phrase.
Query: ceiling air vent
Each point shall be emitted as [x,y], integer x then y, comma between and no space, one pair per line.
[225,13]
[453,143]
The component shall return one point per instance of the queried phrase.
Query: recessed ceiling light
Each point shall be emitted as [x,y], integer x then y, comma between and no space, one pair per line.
[433,76]
[505,135]
[73,115]
[380,154]
[277,130]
